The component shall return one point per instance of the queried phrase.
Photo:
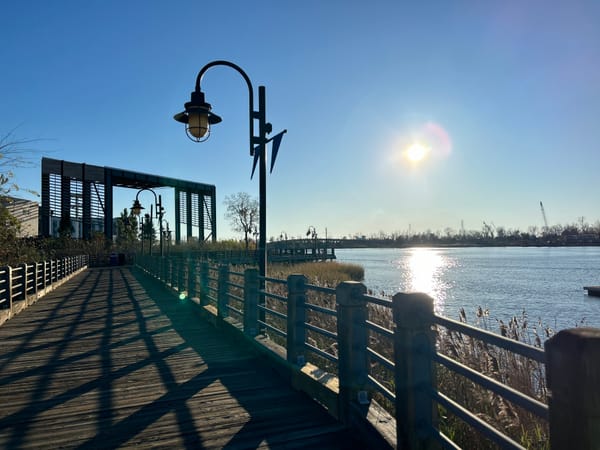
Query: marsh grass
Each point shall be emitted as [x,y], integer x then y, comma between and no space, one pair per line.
[325,274]
[521,373]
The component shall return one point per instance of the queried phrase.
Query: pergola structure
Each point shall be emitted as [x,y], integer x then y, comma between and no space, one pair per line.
[83,194]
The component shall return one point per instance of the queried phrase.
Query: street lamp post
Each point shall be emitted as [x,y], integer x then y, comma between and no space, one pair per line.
[136,210]
[166,236]
[312,232]
[198,118]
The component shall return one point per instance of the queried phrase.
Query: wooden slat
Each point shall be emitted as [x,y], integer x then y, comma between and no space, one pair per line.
[111,359]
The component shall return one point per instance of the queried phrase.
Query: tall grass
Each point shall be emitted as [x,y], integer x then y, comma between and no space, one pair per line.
[521,373]
[326,274]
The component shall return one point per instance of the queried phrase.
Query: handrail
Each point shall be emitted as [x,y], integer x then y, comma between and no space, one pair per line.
[25,283]
[307,331]
[520,348]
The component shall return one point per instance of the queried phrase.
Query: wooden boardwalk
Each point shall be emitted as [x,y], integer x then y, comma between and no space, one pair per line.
[113,360]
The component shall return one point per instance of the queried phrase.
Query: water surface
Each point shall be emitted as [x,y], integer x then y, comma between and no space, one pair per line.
[547,282]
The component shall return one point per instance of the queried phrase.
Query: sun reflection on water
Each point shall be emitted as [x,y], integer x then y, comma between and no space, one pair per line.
[422,271]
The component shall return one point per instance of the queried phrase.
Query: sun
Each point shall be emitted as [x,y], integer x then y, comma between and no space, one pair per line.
[416,152]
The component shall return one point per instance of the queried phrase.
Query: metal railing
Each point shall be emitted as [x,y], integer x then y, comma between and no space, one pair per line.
[388,351]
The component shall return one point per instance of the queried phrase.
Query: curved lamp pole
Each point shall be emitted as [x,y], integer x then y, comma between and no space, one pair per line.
[198,118]
[136,210]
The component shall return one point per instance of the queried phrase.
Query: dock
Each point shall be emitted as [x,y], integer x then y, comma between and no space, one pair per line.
[593,291]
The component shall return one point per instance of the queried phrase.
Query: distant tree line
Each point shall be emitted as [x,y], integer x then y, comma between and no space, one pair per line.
[578,233]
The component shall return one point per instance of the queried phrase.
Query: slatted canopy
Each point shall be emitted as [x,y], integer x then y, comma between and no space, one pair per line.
[83,194]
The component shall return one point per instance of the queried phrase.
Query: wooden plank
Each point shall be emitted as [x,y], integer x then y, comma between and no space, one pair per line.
[112,360]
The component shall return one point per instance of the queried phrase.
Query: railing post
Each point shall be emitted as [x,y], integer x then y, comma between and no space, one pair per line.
[8,286]
[296,331]
[222,298]
[45,280]
[181,275]
[573,379]
[191,278]
[203,294]
[251,302]
[352,346]
[169,271]
[23,293]
[414,344]
[45,274]
[36,271]
[173,273]
[161,268]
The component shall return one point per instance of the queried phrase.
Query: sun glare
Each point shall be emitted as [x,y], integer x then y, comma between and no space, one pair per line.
[416,152]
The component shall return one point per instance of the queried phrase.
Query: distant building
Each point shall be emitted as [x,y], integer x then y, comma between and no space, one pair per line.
[26,212]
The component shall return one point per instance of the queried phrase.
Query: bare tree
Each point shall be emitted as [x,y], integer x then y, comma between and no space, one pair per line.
[14,153]
[242,213]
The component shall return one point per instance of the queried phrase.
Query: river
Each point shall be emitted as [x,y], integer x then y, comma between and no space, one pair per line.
[544,282]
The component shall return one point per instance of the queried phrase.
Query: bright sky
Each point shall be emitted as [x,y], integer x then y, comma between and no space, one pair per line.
[500,99]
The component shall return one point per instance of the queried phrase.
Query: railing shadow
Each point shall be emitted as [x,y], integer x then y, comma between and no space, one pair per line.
[256,430]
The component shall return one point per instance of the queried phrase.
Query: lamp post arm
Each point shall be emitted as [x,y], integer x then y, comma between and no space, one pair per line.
[252,114]
[149,190]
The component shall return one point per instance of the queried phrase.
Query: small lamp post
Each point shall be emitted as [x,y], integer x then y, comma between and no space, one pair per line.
[312,232]
[166,235]
[136,210]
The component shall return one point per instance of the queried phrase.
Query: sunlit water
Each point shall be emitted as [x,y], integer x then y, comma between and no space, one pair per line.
[546,283]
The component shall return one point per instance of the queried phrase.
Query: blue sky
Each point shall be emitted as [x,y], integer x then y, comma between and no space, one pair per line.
[503,96]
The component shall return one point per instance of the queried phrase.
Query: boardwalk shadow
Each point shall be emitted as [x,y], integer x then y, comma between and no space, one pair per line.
[121,351]
[272,414]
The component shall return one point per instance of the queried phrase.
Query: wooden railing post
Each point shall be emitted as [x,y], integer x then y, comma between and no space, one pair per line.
[222,298]
[8,286]
[181,266]
[352,346]
[36,272]
[169,273]
[24,282]
[45,275]
[573,379]
[296,331]
[203,288]
[161,268]
[414,344]
[192,279]
[251,302]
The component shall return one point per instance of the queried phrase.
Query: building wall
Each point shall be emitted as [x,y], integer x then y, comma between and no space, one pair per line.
[26,212]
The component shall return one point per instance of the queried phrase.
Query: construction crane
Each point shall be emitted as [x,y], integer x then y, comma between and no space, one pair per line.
[544,217]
